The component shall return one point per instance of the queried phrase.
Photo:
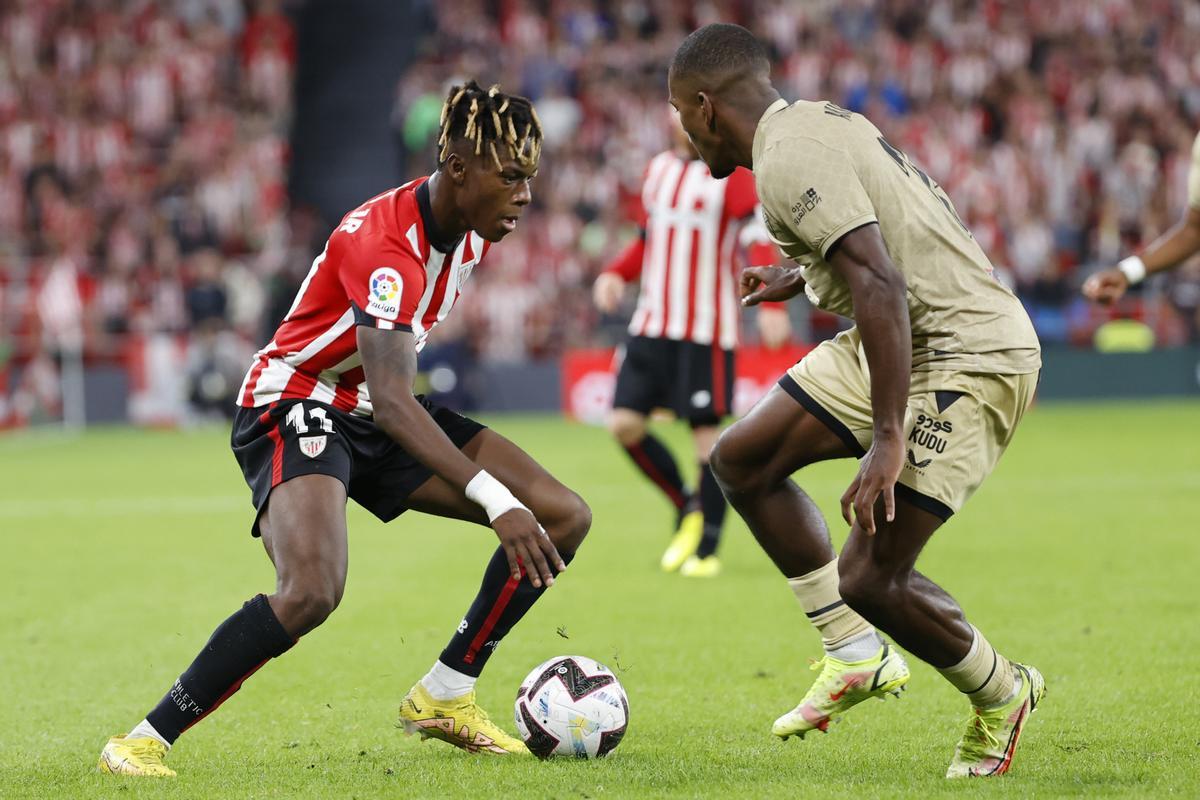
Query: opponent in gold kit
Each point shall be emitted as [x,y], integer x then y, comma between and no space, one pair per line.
[926,390]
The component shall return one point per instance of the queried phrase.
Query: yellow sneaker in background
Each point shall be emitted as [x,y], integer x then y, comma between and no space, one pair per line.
[697,567]
[142,756]
[685,541]
[460,722]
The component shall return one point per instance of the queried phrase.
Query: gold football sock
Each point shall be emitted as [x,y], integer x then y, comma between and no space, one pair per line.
[818,595]
[985,676]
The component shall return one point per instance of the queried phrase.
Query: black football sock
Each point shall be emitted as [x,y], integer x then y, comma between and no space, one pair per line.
[712,505]
[237,648]
[656,461]
[500,604]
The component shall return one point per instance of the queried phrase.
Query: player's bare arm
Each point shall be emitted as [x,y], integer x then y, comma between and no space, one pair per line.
[390,362]
[1165,252]
[880,307]
[769,284]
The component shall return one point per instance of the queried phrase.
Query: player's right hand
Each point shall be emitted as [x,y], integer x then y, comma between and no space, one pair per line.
[877,475]
[526,544]
[607,291]
[769,283]
[1106,287]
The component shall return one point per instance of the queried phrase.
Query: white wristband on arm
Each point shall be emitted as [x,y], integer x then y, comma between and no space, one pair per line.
[1133,268]
[492,495]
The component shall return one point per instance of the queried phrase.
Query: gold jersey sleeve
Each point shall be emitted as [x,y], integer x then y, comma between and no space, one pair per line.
[822,171]
[1194,175]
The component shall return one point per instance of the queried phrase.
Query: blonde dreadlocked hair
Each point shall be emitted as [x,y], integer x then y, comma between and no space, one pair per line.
[487,118]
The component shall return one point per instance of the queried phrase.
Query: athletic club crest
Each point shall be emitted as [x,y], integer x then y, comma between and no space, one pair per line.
[313,446]
[464,273]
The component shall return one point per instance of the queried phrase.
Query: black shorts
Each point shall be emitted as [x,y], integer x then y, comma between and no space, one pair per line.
[302,437]
[693,380]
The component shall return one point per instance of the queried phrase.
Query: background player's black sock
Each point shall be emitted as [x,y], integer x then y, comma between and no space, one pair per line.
[712,506]
[501,602]
[237,648]
[656,461]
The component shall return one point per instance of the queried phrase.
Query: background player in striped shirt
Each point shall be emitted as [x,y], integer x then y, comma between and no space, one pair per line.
[680,350]
[309,433]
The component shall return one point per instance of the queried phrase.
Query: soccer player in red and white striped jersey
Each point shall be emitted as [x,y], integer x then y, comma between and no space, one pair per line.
[695,229]
[328,412]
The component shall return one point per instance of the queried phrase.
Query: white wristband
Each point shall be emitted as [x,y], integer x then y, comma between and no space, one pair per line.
[1133,268]
[493,495]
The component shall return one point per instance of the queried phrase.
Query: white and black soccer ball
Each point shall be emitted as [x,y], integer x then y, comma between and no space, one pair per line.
[571,706]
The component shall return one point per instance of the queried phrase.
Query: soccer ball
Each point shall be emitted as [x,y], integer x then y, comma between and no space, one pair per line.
[571,706]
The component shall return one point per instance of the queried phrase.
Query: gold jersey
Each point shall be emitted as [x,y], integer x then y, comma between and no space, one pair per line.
[822,171]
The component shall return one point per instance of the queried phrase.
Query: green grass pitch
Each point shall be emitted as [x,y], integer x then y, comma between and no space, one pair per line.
[123,549]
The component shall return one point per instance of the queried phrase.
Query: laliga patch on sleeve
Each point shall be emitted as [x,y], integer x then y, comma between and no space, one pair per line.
[384,291]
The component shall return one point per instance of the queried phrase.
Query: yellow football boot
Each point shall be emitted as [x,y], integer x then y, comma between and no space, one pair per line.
[684,542]
[697,567]
[142,756]
[460,722]
[987,747]
[841,686]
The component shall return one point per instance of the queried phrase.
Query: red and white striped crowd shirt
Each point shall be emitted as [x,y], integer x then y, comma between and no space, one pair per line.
[695,231]
[379,268]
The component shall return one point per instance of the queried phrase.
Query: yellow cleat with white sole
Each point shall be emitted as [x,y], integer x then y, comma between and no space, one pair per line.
[841,686]
[460,722]
[142,756]
[988,746]
[685,541]
[697,567]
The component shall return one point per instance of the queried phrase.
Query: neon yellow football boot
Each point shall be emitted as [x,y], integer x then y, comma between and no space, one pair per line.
[142,756]
[459,721]
[842,685]
[697,567]
[987,747]
[685,541]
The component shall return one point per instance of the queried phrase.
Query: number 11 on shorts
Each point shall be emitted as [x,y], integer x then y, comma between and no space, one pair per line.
[295,418]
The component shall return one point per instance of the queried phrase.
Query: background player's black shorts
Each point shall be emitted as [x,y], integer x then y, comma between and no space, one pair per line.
[693,380]
[302,437]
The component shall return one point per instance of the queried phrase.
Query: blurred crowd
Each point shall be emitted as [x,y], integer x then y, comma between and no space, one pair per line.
[143,151]
[1062,131]
[143,158]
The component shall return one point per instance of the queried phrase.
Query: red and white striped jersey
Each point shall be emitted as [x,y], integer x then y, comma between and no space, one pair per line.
[385,267]
[695,228]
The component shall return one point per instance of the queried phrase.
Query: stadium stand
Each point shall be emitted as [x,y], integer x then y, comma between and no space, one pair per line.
[144,155]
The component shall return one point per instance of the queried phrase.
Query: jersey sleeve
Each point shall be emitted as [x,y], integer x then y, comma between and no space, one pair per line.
[1194,176]
[628,264]
[741,199]
[814,189]
[384,287]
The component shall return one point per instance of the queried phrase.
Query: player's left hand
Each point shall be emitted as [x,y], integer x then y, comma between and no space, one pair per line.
[878,474]
[769,283]
[774,327]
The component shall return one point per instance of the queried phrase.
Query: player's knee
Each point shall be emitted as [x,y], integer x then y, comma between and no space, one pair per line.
[306,604]
[729,467]
[572,523]
[627,427]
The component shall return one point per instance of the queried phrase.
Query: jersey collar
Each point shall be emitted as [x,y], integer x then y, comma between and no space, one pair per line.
[437,240]
[760,131]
